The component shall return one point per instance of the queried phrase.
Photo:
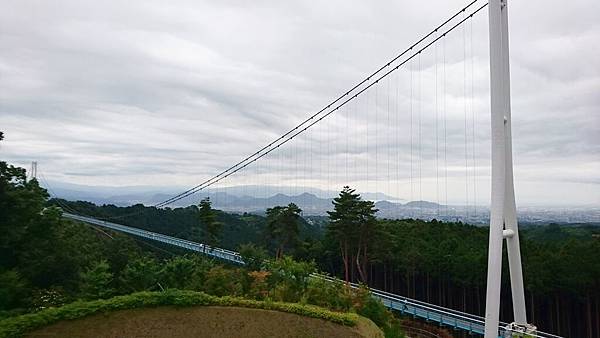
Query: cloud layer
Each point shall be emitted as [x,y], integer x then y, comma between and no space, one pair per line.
[150,93]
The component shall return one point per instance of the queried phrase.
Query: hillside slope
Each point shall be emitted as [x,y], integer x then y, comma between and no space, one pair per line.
[210,321]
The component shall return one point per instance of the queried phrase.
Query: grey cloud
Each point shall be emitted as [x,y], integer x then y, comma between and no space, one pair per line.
[171,93]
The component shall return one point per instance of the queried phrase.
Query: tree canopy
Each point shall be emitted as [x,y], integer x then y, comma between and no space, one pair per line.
[283,227]
[211,227]
[352,225]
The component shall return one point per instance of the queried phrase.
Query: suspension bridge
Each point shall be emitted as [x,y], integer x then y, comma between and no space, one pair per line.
[366,133]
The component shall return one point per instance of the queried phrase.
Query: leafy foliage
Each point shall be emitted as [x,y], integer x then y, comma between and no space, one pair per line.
[352,225]
[334,295]
[222,282]
[210,225]
[289,278]
[283,227]
[12,289]
[141,274]
[97,281]
[254,256]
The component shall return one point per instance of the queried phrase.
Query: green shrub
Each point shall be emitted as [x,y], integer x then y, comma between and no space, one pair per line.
[45,298]
[140,274]
[254,256]
[375,311]
[12,289]
[97,281]
[288,278]
[332,295]
[178,272]
[393,329]
[258,287]
[17,326]
[222,282]
[370,307]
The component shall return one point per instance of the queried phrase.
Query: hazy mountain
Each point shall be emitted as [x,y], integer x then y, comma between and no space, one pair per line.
[149,195]
[312,201]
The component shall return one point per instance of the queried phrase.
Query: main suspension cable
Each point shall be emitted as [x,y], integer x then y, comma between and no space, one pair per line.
[310,121]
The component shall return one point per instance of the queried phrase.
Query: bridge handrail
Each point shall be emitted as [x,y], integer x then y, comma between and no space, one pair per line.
[151,234]
[420,303]
[412,302]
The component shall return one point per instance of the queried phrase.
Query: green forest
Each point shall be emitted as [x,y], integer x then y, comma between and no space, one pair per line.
[47,260]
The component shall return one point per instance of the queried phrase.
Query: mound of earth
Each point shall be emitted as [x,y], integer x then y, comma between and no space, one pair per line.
[205,321]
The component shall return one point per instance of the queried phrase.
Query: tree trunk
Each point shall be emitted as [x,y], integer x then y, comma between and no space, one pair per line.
[557,306]
[365,263]
[344,248]
[414,287]
[352,268]
[359,267]
[569,308]
[440,292]
[478,301]
[589,316]
[598,315]
[427,286]
[385,277]
[532,305]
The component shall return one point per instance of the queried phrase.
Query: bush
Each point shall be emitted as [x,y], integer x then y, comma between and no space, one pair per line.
[259,289]
[96,282]
[46,298]
[202,267]
[140,274]
[221,281]
[17,326]
[177,273]
[336,295]
[394,329]
[374,310]
[254,256]
[289,278]
[12,290]
[333,295]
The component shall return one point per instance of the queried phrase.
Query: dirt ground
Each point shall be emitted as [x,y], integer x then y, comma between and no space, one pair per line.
[213,321]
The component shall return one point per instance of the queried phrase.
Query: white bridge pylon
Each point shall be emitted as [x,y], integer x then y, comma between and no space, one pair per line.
[503,215]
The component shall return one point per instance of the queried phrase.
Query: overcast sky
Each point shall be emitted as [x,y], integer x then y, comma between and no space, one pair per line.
[169,93]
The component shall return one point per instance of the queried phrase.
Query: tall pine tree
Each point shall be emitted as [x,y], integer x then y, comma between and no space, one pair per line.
[352,225]
[211,228]
[283,227]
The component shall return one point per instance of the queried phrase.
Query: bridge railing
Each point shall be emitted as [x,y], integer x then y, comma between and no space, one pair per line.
[434,313]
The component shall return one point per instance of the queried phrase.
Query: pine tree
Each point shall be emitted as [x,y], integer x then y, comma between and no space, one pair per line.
[352,224]
[211,228]
[96,282]
[283,227]
[367,233]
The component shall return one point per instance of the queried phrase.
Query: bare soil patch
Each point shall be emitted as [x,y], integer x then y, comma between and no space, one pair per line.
[208,321]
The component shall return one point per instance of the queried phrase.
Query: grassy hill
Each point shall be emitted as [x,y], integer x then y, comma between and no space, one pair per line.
[178,313]
[211,321]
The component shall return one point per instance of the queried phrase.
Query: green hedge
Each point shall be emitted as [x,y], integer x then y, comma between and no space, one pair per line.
[17,326]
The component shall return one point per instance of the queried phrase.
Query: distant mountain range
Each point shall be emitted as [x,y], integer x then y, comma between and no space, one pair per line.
[244,195]
[312,201]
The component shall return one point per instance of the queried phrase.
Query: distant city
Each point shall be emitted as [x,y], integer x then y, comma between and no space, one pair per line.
[315,202]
